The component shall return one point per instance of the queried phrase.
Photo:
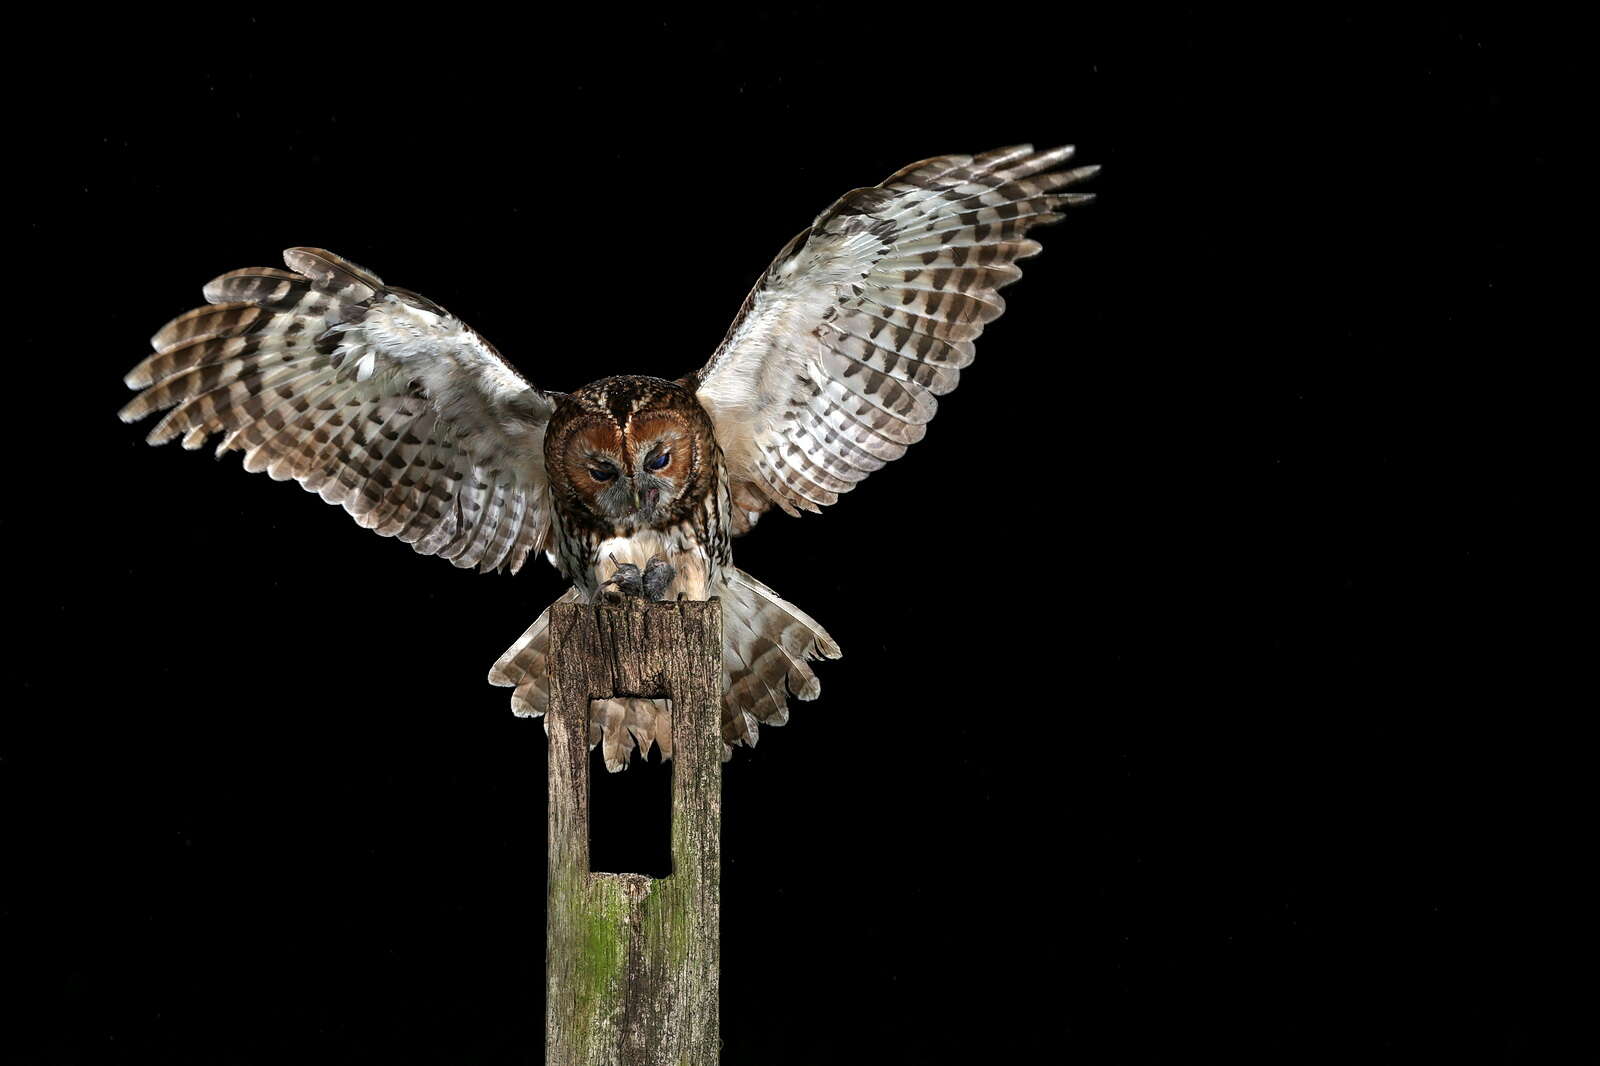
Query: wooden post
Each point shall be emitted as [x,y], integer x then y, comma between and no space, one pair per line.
[631,961]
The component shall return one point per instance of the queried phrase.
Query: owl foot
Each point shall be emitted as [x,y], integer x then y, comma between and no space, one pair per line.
[658,574]
[626,582]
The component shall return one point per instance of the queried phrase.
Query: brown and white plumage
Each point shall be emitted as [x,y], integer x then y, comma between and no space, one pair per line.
[381,401]
[833,364]
[370,396]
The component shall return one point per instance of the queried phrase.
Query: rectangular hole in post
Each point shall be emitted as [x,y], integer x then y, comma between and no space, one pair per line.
[630,816]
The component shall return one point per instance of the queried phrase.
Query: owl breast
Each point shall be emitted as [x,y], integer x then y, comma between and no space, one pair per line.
[687,555]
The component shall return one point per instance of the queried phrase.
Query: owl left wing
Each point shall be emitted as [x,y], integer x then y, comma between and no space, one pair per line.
[833,364]
[367,394]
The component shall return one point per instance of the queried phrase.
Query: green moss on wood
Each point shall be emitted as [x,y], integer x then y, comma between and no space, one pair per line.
[632,962]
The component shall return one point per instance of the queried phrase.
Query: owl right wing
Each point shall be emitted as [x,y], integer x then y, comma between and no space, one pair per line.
[832,366]
[371,396]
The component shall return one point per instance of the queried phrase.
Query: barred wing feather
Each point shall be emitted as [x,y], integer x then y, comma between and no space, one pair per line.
[833,364]
[369,395]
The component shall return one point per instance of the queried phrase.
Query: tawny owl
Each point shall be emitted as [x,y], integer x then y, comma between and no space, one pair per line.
[381,401]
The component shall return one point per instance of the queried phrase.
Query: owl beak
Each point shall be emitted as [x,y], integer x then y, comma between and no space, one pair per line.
[644,499]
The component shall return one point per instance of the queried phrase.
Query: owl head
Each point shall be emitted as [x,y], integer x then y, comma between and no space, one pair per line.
[630,453]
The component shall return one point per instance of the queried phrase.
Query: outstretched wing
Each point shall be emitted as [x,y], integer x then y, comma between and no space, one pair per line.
[831,368]
[368,395]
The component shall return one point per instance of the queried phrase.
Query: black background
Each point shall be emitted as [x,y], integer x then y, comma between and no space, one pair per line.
[1180,716]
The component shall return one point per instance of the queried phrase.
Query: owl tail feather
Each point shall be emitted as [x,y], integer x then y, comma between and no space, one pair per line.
[767,643]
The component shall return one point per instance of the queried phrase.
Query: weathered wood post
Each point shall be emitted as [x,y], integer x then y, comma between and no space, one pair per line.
[631,961]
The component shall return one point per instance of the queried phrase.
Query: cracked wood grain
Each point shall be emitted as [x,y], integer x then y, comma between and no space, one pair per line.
[631,962]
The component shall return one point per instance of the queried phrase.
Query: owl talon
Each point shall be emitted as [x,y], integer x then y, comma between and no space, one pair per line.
[658,574]
[625,582]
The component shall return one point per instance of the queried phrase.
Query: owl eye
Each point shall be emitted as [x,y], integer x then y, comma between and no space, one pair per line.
[602,473]
[659,461]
